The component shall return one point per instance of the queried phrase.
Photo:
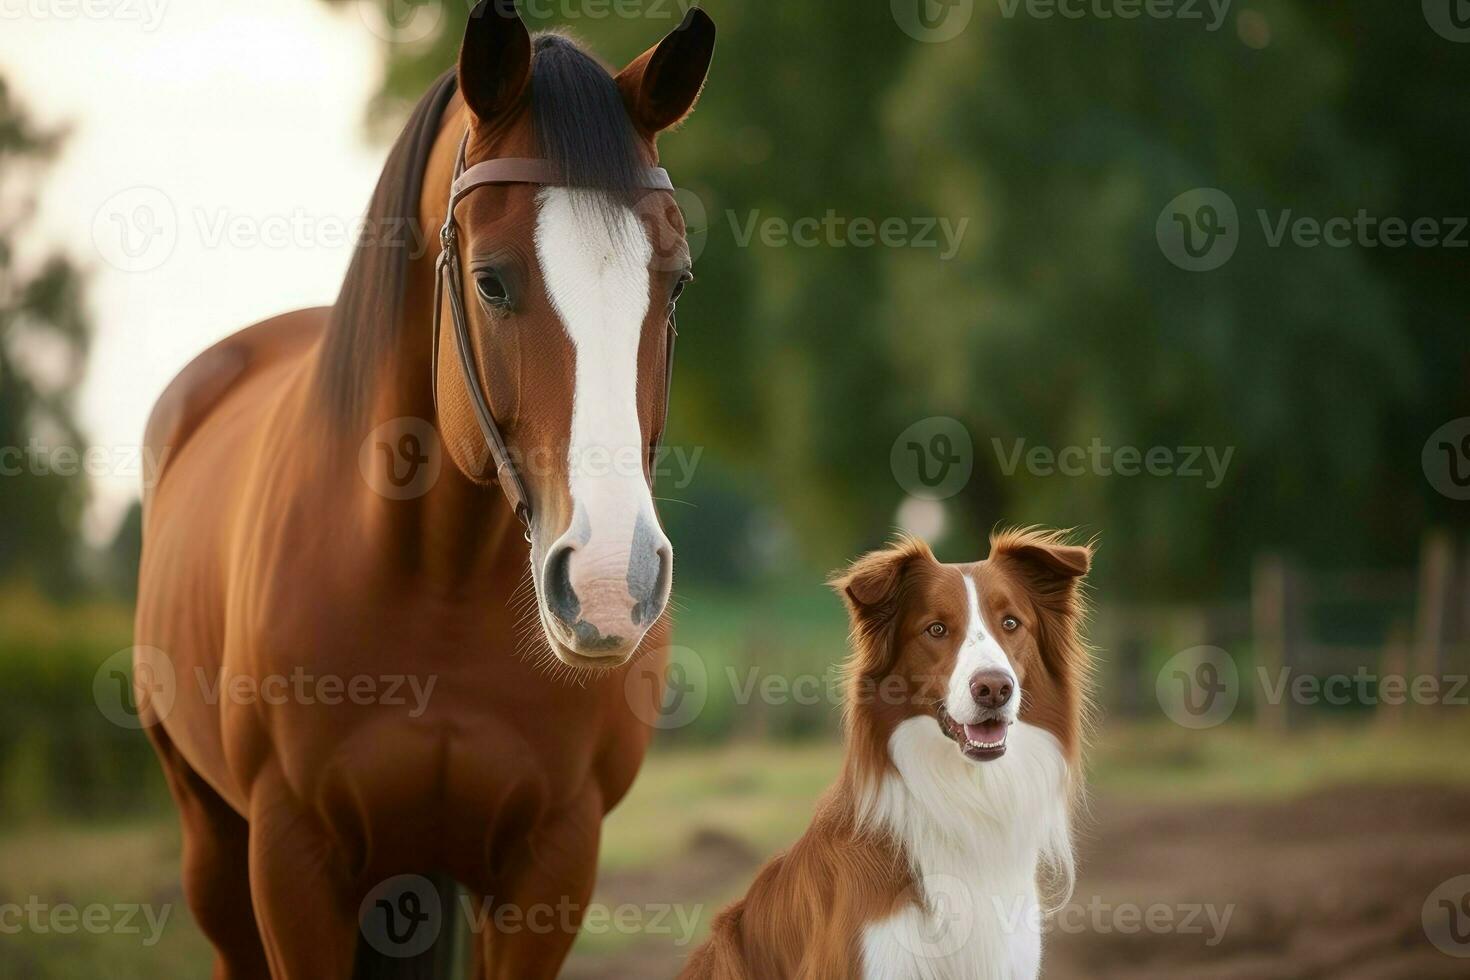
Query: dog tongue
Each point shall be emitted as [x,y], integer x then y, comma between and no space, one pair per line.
[986,731]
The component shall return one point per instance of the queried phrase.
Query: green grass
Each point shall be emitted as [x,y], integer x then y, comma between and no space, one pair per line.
[761,794]
[1163,762]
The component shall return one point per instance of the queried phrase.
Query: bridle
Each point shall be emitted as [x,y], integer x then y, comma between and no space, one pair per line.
[513,170]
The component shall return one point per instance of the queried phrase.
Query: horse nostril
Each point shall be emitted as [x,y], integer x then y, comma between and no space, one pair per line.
[991,688]
[561,598]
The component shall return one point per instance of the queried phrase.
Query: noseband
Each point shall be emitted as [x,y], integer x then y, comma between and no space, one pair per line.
[512,170]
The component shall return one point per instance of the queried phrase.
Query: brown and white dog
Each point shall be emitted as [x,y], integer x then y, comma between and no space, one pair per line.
[966,695]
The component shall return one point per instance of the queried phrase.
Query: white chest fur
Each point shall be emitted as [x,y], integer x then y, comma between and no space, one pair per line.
[975,835]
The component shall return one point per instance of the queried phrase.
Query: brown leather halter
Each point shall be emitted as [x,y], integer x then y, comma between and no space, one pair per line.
[512,170]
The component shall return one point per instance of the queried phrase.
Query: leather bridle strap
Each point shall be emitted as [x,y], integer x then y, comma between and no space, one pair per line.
[511,170]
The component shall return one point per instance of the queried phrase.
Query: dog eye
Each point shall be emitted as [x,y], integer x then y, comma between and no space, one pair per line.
[936,629]
[1010,624]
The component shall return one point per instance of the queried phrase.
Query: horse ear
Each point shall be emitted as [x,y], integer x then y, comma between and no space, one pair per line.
[660,86]
[494,59]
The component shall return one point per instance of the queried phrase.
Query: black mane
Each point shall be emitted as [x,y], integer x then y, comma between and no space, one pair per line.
[578,117]
[580,124]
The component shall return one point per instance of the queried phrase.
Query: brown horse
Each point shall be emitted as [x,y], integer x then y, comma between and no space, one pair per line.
[330,663]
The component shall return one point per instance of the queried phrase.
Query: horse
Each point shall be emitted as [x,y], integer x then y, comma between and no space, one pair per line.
[309,558]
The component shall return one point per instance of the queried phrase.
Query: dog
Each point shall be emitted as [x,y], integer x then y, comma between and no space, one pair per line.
[966,698]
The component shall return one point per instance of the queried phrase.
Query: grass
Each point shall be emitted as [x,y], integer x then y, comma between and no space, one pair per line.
[761,794]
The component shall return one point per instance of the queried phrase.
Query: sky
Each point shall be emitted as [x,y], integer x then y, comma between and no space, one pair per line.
[215,165]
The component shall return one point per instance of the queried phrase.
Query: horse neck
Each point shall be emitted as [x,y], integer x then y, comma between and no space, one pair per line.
[458,531]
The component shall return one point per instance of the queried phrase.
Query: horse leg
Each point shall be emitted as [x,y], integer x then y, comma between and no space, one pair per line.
[302,896]
[542,897]
[216,867]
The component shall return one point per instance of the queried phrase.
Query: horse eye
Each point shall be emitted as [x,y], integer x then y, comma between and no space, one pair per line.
[936,629]
[490,288]
[1010,624]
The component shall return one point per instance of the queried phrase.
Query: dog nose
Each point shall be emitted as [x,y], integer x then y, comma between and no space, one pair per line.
[991,688]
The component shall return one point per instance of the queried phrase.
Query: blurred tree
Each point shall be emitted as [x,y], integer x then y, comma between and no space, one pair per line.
[43,347]
[1060,321]
[1067,323]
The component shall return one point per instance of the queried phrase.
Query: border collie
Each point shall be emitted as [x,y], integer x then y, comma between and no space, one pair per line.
[966,693]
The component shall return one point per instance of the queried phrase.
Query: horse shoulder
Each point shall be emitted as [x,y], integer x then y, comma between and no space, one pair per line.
[204,382]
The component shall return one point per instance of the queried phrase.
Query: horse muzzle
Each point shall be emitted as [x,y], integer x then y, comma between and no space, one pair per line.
[602,589]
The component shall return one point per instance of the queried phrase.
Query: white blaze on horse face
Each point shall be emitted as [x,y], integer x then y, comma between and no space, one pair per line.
[978,651]
[595,256]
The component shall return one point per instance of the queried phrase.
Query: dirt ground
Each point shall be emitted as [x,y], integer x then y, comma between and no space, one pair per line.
[1330,885]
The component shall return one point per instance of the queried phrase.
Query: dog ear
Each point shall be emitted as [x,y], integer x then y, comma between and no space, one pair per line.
[1051,567]
[872,586]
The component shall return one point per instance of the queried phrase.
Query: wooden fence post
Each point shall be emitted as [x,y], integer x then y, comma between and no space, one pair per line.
[1436,584]
[1393,663]
[1271,638]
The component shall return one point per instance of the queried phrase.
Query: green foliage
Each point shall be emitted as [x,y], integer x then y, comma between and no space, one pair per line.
[41,321]
[58,753]
[1060,321]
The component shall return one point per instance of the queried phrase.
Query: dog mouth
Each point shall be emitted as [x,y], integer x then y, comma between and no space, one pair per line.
[981,742]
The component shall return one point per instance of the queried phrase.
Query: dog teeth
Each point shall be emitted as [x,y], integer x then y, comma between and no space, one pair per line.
[987,745]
